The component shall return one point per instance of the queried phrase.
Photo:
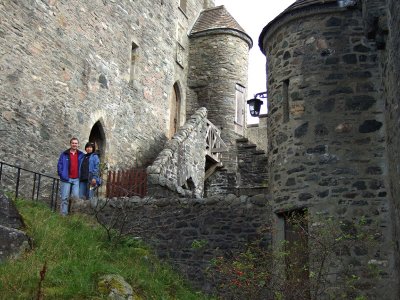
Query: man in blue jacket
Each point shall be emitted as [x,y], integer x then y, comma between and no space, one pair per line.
[68,170]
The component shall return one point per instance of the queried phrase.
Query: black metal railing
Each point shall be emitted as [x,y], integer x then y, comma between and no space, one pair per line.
[45,188]
[38,186]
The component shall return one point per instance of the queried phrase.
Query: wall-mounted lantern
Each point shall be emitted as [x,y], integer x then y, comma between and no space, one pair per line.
[255,104]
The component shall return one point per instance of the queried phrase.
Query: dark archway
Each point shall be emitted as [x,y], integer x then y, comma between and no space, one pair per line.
[98,137]
[175,110]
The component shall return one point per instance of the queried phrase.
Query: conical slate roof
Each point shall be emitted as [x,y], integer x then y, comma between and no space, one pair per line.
[215,18]
[218,20]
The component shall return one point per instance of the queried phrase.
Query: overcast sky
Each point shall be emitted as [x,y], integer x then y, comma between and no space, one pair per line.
[253,16]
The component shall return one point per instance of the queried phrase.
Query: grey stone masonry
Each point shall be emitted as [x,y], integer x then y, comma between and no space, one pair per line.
[67,65]
[390,68]
[250,176]
[190,233]
[218,56]
[180,166]
[252,168]
[257,133]
[327,130]
[217,63]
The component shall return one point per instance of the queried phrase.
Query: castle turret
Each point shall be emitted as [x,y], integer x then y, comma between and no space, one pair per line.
[326,123]
[217,80]
[219,50]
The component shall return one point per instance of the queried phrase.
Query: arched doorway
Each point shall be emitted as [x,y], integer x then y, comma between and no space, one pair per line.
[175,105]
[98,137]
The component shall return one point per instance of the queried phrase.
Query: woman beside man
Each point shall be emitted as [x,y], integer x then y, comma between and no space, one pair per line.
[79,173]
[89,172]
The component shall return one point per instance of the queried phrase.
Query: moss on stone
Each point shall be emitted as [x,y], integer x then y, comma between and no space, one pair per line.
[115,287]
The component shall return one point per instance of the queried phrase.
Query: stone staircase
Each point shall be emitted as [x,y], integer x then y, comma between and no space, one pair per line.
[192,155]
[252,168]
[244,171]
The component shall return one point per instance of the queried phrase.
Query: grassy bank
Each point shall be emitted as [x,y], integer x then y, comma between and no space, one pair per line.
[76,254]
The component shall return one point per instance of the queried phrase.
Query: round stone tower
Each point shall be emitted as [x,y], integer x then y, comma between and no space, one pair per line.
[217,80]
[219,50]
[326,120]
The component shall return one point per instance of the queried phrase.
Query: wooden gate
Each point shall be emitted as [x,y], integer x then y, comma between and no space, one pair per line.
[126,183]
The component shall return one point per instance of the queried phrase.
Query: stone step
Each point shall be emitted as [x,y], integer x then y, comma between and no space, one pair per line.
[242,140]
[248,146]
[259,152]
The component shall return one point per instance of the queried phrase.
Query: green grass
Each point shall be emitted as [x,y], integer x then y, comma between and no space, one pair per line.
[76,253]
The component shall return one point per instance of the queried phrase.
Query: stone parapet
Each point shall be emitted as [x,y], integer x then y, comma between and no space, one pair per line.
[190,233]
[180,166]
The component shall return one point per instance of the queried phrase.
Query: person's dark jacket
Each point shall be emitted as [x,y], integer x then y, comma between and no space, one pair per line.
[94,171]
[63,164]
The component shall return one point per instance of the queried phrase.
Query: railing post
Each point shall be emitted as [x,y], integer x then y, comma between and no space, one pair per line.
[38,187]
[131,181]
[118,182]
[142,190]
[57,190]
[124,183]
[1,170]
[34,186]
[36,181]
[108,184]
[136,184]
[52,195]
[17,186]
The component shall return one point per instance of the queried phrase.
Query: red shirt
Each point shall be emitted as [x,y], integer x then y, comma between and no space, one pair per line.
[73,165]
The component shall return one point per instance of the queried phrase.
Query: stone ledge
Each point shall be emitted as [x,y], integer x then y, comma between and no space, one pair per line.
[177,163]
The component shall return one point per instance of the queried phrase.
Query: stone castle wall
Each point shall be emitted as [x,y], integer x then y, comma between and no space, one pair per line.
[67,65]
[326,126]
[190,233]
[391,79]
[257,133]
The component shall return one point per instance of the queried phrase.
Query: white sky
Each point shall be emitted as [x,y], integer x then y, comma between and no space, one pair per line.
[253,16]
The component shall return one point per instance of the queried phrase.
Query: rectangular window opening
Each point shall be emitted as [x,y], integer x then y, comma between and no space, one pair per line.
[285,100]
[180,34]
[239,112]
[183,5]
[134,50]
[180,55]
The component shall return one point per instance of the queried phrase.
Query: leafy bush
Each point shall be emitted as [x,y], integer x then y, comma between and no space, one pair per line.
[315,264]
